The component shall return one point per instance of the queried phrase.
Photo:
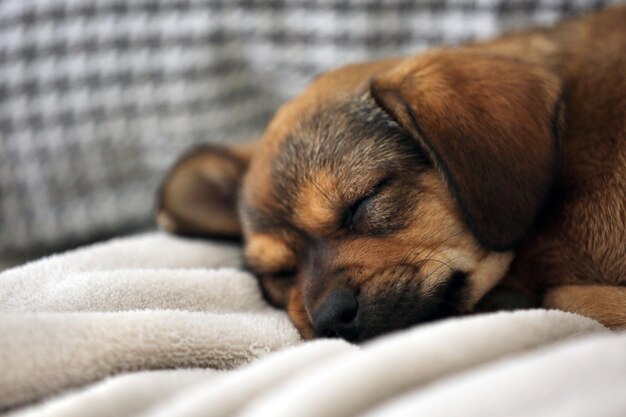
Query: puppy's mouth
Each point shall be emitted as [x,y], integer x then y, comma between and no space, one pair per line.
[357,317]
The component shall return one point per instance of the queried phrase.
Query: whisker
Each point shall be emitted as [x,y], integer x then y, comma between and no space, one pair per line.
[414,254]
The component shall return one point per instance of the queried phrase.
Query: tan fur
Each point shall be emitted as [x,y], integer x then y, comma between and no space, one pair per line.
[604,303]
[315,208]
[437,239]
[269,254]
[298,314]
[489,115]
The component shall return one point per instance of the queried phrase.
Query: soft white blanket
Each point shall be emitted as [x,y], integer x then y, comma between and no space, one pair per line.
[161,326]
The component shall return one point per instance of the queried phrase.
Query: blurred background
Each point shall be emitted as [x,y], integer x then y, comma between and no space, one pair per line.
[99,97]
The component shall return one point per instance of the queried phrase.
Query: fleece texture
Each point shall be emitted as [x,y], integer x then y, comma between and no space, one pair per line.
[158,326]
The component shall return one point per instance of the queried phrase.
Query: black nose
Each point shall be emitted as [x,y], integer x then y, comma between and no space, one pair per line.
[337,316]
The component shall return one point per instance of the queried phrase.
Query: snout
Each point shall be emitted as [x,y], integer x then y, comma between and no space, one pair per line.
[337,316]
[360,315]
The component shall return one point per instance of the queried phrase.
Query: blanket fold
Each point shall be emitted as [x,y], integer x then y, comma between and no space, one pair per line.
[146,302]
[155,326]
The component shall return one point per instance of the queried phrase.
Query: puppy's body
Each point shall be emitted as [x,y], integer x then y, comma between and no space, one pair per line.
[576,255]
[398,191]
[581,236]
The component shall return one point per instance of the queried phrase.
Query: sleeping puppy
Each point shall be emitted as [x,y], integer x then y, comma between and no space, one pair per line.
[395,192]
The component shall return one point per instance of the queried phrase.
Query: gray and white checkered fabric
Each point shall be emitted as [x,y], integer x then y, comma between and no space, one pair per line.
[98,97]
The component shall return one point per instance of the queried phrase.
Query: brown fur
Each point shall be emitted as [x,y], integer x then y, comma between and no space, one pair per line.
[504,112]
[414,182]
[204,180]
[599,302]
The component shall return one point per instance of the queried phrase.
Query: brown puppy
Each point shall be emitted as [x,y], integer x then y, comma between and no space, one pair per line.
[394,192]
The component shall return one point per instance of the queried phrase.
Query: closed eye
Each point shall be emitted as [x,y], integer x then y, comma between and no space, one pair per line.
[356,210]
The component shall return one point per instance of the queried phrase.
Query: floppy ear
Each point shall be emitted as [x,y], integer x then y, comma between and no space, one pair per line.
[490,124]
[199,195]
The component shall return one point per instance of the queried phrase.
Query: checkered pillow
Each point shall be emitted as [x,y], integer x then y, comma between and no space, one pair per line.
[98,97]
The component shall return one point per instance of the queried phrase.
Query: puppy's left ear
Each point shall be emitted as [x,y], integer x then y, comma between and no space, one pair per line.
[490,125]
[199,195]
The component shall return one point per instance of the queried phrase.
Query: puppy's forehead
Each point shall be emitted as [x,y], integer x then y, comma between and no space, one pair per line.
[334,150]
[336,86]
[331,156]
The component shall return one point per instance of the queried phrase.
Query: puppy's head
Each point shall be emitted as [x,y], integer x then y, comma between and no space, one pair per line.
[387,194]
